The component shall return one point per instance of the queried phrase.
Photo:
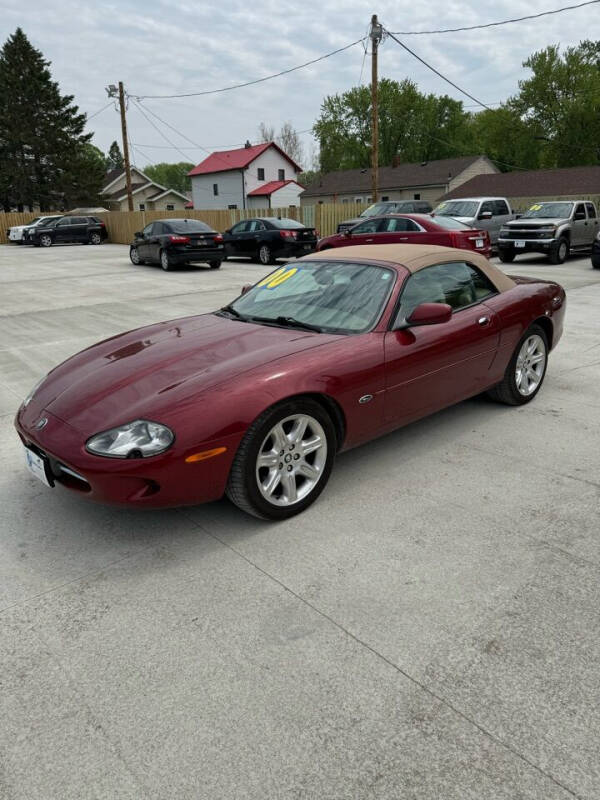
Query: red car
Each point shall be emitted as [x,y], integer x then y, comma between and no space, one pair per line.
[255,400]
[411,229]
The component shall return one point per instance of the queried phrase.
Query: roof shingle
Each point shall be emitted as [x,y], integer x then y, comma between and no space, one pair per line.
[240,158]
[532,183]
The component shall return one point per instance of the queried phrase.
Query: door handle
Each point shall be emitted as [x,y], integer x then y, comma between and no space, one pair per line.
[368,240]
[403,238]
[483,321]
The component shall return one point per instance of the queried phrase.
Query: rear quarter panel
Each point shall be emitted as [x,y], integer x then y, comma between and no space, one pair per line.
[518,308]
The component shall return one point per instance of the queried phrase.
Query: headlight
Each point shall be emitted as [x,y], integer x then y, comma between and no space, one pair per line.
[33,391]
[138,439]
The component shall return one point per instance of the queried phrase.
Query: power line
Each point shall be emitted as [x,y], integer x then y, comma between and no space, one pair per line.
[207,146]
[100,110]
[250,83]
[437,72]
[502,22]
[156,128]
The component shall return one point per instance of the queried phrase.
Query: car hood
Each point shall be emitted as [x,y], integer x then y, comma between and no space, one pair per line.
[536,223]
[146,371]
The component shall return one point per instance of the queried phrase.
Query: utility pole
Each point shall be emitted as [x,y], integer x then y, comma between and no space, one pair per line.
[375,36]
[112,92]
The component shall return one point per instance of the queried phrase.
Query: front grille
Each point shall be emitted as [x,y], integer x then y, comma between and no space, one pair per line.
[525,233]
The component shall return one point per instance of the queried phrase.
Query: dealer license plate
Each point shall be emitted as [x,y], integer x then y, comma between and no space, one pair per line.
[37,466]
[478,242]
[519,244]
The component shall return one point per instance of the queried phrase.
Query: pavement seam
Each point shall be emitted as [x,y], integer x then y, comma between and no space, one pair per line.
[389,662]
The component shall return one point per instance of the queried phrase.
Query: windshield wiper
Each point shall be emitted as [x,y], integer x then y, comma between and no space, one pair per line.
[288,322]
[229,309]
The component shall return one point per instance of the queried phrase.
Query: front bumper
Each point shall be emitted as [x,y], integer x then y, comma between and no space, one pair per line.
[161,481]
[526,245]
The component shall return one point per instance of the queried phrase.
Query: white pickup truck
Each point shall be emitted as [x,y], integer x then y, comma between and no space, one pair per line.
[554,228]
[489,213]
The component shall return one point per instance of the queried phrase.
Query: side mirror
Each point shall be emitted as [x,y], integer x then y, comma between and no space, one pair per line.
[518,216]
[430,314]
[138,235]
[485,215]
[348,233]
[246,288]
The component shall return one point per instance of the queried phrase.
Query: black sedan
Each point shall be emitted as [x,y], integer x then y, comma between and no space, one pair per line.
[596,252]
[268,238]
[170,242]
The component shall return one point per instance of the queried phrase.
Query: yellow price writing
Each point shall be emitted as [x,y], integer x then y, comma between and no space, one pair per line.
[279,276]
[536,207]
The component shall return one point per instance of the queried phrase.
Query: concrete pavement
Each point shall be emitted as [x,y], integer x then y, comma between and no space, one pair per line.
[428,629]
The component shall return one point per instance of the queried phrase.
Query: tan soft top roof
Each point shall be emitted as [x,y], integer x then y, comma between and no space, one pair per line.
[414,257]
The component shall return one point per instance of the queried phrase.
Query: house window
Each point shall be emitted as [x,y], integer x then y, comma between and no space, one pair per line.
[345,199]
[215,189]
[320,202]
[232,205]
[385,198]
[260,173]
[170,207]
[142,206]
[417,196]
[281,175]
[358,199]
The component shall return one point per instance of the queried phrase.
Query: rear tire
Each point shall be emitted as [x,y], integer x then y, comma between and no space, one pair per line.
[265,255]
[526,370]
[506,256]
[559,251]
[165,261]
[214,264]
[95,238]
[284,460]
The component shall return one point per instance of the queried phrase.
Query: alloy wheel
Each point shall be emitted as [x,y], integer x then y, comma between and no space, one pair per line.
[530,366]
[45,240]
[291,460]
[95,238]
[164,260]
[134,255]
[264,254]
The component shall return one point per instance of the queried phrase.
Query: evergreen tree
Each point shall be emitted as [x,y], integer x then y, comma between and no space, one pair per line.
[114,159]
[41,132]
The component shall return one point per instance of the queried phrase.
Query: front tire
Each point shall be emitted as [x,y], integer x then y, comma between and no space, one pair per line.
[265,255]
[134,256]
[214,264]
[165,261]
[559,251]
[525,371]
[284,461]
[506,256]
[45,240]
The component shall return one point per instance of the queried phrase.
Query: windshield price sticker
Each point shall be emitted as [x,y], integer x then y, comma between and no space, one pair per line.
[278,277]
[536,207]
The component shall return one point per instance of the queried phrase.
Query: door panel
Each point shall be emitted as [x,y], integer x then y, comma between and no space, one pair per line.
[579,227]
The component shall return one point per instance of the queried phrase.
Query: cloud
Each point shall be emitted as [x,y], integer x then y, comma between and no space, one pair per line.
[175,46]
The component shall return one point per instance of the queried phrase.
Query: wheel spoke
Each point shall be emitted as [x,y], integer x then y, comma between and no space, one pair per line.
[310,445]
[308,471]
[269,460]
[533,376]
[272,482]
[535,359]
[531,346]
[297,432]
[288,481]
[280,439]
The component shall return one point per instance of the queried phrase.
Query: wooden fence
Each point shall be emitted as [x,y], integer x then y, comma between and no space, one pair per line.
[121,225]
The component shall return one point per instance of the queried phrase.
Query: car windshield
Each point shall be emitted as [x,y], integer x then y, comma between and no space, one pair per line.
[376,209]
[285,222]
[188,226]
[35,220]
[450,223]
[549,211]
[333,296]
[456,208]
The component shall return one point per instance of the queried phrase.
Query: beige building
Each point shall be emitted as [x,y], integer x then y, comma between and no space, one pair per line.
[147,194]
[426,181]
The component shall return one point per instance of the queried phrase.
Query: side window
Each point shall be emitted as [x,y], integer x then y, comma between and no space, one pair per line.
[148,229]
[371,226]
[65,221]
[280,174]
[500,208]
[487,206]
[260,174]
[579,211]
[394,224]
[158,228]
[457,284]
[591,210]
[241,227]
[255,225]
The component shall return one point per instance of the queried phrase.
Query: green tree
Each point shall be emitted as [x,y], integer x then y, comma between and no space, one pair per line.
[173,176]
[561,103]
[412,126]
[41,130]
[114,159]
[505,137]
[83,177]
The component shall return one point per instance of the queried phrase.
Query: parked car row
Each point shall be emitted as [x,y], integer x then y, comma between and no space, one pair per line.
[46,231]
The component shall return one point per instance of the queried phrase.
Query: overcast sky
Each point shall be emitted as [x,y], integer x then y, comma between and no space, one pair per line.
[175,46]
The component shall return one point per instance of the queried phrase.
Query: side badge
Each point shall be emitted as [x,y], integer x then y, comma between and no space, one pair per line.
[366,398]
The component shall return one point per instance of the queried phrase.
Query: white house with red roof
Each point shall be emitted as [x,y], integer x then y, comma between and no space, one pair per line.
[254,176]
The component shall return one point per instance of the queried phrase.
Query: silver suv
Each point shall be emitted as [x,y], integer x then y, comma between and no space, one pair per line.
[553,228]
[489,213]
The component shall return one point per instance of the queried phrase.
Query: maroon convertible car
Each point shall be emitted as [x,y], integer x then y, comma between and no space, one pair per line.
[255,400]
